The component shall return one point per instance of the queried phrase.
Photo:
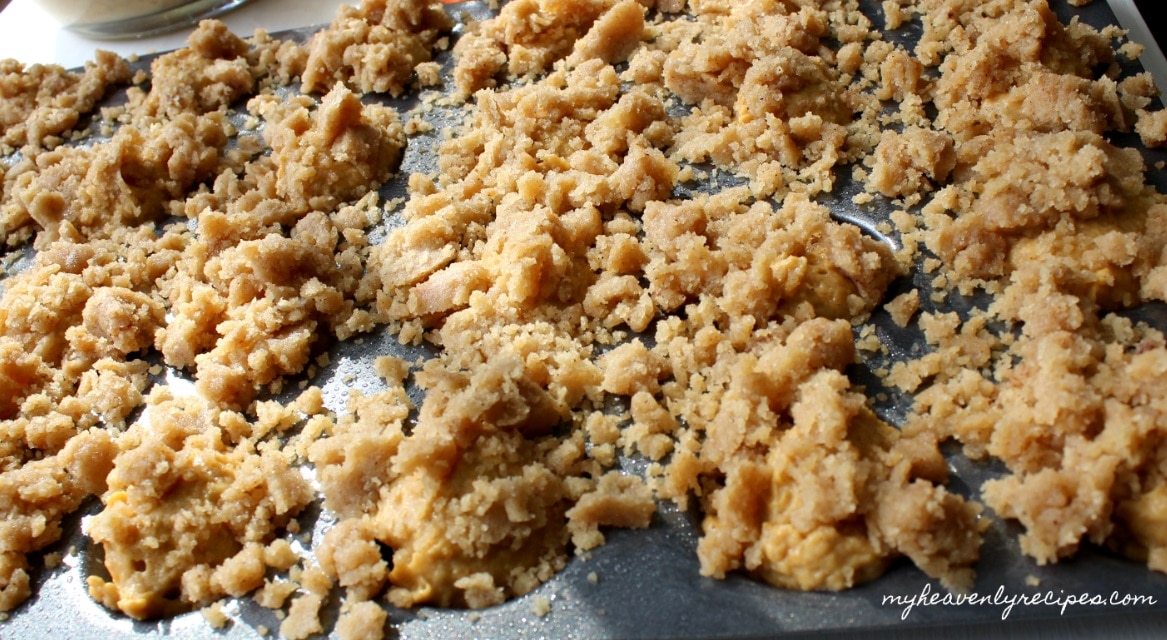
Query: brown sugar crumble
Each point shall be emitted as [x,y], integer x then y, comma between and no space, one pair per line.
[630,209]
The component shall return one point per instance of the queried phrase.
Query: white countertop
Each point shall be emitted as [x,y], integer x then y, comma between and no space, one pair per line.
[30,35]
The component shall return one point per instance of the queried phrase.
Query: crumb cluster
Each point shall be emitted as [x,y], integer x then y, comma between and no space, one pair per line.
[625,251]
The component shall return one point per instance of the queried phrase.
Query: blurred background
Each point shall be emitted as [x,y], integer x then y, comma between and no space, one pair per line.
[29,34]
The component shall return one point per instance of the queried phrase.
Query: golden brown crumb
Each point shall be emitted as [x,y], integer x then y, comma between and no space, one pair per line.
[214,615]
[274,593]
[618,500]
[903,307]
[210,73]
[43,101]
[61,201]
[375,47]
[349,553]
[525,39]
[541,606]
[555,265]
[362,621]
[207,493]
[303,618]
[1152,127]
[1131,50]
[910,163]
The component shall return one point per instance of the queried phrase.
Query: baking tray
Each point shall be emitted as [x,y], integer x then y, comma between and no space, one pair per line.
[646,583]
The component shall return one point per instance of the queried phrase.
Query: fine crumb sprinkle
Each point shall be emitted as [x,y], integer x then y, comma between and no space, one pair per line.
[1131,50]
[903,307]
[541,606]
[417,126]
[52,560]
[593,577]
[869,341]
[215,616]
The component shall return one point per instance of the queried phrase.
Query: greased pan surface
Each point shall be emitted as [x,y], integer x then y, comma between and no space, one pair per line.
[646,583]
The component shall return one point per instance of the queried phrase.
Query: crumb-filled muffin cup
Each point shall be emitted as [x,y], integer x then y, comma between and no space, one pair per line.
[113,19]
